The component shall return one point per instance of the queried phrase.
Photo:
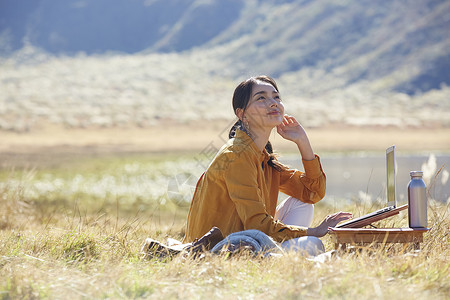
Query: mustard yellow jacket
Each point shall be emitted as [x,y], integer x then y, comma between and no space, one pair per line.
[239,191]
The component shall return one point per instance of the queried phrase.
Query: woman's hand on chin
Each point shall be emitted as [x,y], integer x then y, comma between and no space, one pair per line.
[290,129]
[330,221]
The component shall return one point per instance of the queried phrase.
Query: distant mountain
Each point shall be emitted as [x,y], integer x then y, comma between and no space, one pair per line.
[404,43]
[401,45]
[99,26]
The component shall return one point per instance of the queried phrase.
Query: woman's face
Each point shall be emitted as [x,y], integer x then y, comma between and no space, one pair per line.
[265,108]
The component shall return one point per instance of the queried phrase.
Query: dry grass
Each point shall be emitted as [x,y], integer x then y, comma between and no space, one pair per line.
[66,255]
[77,249]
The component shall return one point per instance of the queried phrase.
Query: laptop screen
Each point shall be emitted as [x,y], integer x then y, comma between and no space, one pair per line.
[390,167]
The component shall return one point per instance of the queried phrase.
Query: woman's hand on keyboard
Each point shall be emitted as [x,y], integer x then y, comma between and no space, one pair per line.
[330,221]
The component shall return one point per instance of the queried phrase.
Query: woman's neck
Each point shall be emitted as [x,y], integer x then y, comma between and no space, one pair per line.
[260,137]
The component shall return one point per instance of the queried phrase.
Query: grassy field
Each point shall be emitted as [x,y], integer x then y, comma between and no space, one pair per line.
[72,229]
[85,176]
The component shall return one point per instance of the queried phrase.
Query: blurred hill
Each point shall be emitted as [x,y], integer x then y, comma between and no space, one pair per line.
[119,25]
[356,40]
[354,62]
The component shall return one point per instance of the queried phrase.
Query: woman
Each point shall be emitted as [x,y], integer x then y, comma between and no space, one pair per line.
[239,190]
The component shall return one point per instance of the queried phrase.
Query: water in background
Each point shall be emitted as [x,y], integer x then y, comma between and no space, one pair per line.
[362,176]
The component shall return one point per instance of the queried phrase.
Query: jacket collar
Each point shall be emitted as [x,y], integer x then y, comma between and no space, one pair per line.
[243,138]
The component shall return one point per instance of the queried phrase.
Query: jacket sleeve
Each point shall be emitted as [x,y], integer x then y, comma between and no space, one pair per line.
[242,184]
[308,186]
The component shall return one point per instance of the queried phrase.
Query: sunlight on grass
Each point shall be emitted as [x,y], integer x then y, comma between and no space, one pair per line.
[60,239]
[134,184]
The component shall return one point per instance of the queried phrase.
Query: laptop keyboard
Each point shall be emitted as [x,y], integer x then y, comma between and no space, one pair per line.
[375,213]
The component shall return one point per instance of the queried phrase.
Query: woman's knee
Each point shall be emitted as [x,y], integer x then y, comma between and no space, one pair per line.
[295,204]
[295,212]
[307,207]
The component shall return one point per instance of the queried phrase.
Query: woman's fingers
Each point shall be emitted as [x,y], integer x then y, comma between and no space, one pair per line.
[333,219]
[290,119]
[280,130]
[340,214]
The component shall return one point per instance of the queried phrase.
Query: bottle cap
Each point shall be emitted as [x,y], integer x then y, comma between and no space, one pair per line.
[416,173]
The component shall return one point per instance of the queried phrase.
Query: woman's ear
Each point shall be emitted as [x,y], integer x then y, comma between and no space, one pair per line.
[239,113]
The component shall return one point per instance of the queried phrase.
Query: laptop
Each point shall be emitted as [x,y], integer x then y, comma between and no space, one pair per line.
[391,193]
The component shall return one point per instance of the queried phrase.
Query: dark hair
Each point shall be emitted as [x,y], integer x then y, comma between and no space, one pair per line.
[241,98]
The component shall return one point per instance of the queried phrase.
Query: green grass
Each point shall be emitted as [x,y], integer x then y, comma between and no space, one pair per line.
[82,245]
